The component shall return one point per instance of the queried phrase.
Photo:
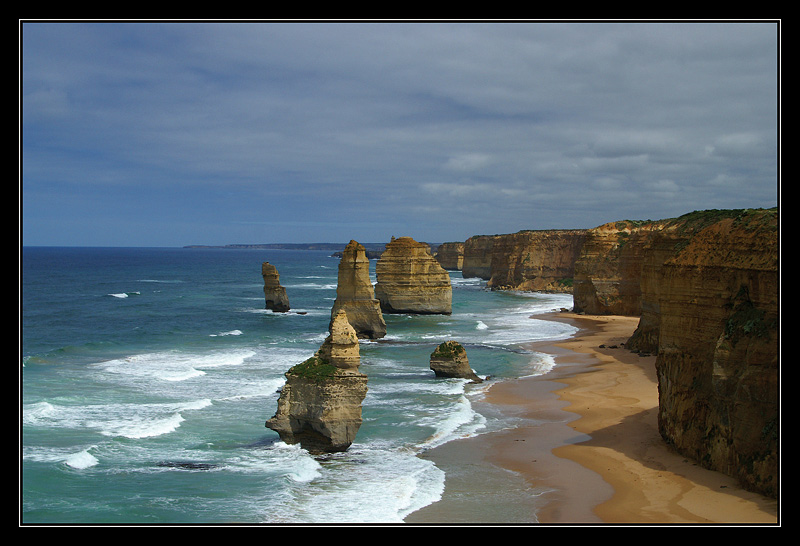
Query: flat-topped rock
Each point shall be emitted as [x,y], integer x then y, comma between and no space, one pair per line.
[410,280]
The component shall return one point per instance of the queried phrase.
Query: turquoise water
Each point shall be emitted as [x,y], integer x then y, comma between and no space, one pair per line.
[147,375]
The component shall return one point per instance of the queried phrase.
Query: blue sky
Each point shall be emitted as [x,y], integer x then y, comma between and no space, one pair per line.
[178,133]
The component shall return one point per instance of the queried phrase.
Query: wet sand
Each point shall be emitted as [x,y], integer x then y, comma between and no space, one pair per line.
[588,451]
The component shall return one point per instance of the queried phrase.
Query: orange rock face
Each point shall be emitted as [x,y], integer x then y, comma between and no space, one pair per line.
[451,256]
[477,262]
[320,404]
[355,294]
[609,268]
[716,298]
[410,280]
[540,261]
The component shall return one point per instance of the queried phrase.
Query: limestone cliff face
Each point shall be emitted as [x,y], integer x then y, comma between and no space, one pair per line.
[410,280]
[355,294]
[450,359]
[477,260]
[451,256]
[274,294]
[320,403]
[717,300]
[542,261]
[608,270]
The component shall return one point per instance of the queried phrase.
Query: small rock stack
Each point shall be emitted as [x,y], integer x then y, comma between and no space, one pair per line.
[450,360]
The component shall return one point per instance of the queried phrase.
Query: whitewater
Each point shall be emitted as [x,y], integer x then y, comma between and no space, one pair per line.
[146,377]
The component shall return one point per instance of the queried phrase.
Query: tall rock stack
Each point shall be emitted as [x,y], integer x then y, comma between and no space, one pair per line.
[320,404]
[274,294]
[355,294]
[410,280]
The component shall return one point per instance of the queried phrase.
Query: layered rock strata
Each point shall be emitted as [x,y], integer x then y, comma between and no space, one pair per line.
[608,270]
[320,404]
[356,296]
[410,280]
[274,294]
[477,261]
[538,261]
[716,297]
[451,256]
[450,359]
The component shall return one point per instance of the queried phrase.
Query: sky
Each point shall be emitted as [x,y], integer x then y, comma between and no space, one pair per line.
[146,133]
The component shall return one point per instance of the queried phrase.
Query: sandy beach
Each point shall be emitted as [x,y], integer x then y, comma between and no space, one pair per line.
[592,453]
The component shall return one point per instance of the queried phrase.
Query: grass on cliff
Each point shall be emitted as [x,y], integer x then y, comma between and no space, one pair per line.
[701,219]
[314,369]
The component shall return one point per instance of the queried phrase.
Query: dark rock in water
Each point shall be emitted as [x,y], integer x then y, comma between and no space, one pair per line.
[186,465]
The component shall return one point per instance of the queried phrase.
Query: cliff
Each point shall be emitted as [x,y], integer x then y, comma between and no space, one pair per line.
[477,261]
[451,256]
[410,280]
[274,294]
[542,261]
[608,270]
[355,294]
[715,299]
[320,404]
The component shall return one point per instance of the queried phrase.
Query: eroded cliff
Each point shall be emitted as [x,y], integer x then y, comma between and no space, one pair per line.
[451,256]
[715,300]
[540,261]
[477,262]
[608,270]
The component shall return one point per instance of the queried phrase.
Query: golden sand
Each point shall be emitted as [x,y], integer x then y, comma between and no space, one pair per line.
[599,454]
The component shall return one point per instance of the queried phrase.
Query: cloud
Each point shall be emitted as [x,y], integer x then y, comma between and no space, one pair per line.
[467,162]
[532,125]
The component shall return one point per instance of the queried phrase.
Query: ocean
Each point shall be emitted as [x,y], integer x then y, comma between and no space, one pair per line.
[147,374]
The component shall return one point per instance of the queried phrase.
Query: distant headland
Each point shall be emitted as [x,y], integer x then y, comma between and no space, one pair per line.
[292,246]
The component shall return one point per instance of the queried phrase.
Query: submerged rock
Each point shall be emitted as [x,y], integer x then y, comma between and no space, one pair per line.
[320,405]
[410,280]
[274,294]
[450,360]
[356,296]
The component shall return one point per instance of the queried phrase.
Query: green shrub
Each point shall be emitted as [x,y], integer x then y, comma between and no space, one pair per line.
[314,369]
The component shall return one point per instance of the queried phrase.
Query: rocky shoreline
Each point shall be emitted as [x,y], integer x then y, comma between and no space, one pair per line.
[703,292]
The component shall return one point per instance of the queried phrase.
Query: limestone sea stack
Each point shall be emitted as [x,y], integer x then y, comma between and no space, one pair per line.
[450,360]
[320,404]
[356,296]
[274,294]
[410,280]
